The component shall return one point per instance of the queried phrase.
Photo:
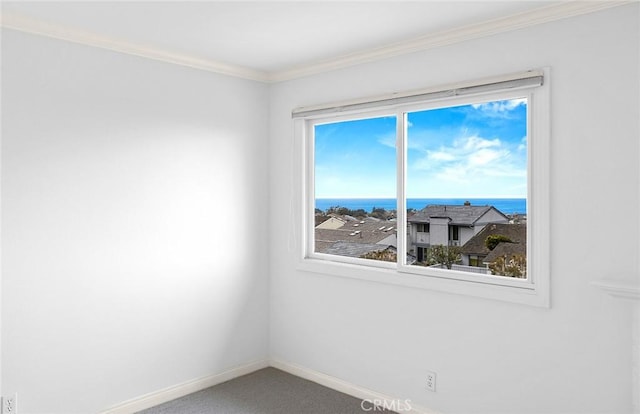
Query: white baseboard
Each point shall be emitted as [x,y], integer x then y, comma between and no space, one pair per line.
[186,388]
[401,405]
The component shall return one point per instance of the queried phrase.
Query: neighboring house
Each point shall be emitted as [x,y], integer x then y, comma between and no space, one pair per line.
[332,223]
[448,225]
[348,236]
[475,253]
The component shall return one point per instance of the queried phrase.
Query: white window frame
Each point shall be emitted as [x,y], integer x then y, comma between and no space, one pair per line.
[531,291]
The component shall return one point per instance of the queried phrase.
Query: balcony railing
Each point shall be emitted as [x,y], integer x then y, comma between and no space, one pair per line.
[472,269]
[422,238]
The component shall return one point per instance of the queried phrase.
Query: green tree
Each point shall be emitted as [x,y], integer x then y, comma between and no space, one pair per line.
[380,213]
[493,240]
[358,213]
[344,211]
[444,255]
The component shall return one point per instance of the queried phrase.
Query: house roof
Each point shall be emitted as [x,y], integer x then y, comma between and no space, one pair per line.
[465,215]
[517,233]
[351,249]
[506,249]
[366,231]
[331,223]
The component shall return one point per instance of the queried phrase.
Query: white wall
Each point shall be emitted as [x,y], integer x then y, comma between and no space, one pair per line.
[125,181]
[490,357]
[134,211]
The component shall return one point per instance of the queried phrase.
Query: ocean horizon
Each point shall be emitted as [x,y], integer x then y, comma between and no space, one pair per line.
[505,205]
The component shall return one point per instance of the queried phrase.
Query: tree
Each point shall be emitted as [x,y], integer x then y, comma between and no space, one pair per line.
[380,213]
[386,255]
[358,213]
[493,240]
[516,266]
[344,211]
[444,255]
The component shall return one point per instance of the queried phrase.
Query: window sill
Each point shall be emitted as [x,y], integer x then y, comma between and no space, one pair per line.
[532,297]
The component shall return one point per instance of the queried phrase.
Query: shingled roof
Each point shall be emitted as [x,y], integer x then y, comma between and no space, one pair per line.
[465,215]
[506,250]
[368,231]
[350,249]
[517,233]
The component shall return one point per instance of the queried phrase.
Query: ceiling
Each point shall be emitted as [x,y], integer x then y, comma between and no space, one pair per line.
[272,40]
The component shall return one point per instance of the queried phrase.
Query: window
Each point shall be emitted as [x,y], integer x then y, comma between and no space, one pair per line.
[355,187]
[423,228]
[454,234]
[445,189]
[476,261]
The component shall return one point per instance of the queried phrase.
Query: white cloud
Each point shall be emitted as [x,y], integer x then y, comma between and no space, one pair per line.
[440,156]
[468,150]
[468,164]
[484,157]
[388,140]
[450,160]
[499,109]
[474,143]
[523,144]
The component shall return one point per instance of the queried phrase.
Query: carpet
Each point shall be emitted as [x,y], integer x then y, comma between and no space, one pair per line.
[267,391]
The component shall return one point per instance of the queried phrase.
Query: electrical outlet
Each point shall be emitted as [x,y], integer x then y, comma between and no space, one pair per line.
[431,381]
[10,404]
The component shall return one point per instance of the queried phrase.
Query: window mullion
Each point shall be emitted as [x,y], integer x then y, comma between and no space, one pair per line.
[401,199]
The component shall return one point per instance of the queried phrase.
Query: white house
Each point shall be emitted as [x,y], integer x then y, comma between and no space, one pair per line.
[448,225]
[152,201]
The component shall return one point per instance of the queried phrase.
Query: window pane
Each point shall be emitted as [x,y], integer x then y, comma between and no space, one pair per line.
[467,187]
[355,188]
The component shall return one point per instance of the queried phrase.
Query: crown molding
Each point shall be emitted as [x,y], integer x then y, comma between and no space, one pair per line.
[29,25]
[517,21]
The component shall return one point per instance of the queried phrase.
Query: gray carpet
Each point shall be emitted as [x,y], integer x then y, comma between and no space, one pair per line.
[268,391]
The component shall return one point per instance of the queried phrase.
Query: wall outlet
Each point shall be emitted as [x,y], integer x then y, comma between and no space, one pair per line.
[431,381]
[10,404]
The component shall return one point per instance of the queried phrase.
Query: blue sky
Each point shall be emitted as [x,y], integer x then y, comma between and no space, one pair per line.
[470,151]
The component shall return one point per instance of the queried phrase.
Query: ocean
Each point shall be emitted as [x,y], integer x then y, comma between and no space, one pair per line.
[505,205]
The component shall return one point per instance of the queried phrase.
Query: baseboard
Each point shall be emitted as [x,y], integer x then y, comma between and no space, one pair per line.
[186,388]
[400,405]
[180,390]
